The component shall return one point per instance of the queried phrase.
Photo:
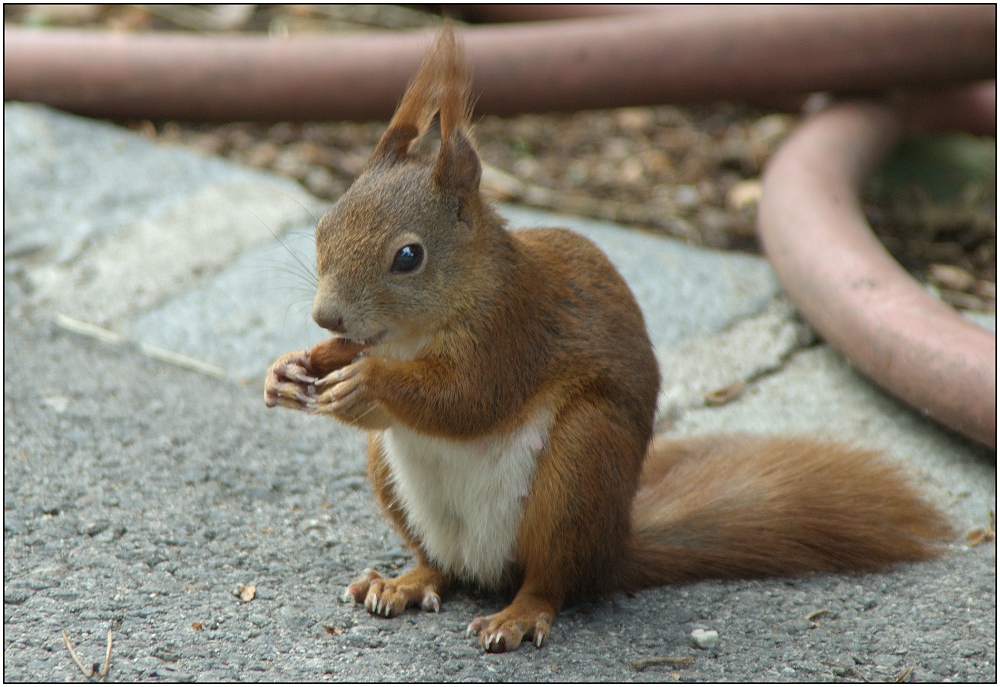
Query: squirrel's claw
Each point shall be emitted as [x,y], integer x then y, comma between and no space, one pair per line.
[287,396]
[299,374]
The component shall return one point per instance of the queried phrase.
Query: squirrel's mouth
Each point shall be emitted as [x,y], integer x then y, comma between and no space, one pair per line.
[370,341]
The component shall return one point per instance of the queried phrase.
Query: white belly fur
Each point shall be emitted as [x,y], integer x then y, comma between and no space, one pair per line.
[464,499]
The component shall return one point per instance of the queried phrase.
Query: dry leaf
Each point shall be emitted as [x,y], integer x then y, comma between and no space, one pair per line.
[725,394]
[197,626]
[332,630]
[982,534]
[246,592]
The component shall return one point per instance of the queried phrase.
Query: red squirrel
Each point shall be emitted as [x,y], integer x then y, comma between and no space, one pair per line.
[509,386]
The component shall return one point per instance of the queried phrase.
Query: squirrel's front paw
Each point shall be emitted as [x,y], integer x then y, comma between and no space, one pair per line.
[289,382]
[346,394]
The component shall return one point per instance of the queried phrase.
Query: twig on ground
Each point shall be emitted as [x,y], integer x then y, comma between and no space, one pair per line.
[114,338]
[76,659]
[643,663]
[89,673]
[107,658]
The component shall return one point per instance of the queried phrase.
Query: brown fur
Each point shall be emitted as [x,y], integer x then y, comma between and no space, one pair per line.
[744,506]
[495,325]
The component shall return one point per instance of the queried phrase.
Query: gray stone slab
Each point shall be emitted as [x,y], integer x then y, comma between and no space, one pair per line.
[100,223]
[179,249]
[721,366]
[985,320]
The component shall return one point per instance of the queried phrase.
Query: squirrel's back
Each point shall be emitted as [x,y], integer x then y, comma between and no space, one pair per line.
[593,315]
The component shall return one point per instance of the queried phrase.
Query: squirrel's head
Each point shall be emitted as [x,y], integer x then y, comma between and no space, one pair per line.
[393,251]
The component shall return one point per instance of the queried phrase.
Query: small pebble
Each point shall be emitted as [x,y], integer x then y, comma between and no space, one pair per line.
[985,289]
[56,403]
[773,128]
[310,524]
[93,529]
[705,639]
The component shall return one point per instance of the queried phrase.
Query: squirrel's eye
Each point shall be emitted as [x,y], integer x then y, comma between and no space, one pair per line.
[408,258]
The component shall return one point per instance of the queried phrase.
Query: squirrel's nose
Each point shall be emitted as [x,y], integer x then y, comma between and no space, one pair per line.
[327,317]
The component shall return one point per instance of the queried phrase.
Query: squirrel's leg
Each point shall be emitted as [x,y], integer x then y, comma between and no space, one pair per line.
[421,586]
[529,615]
[424,584]
[563,547]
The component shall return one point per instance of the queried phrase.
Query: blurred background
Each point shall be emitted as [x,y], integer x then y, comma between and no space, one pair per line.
[691,172]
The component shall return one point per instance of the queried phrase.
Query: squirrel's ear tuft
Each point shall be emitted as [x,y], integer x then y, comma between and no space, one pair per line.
[453,84]
[440,86]
[457,168]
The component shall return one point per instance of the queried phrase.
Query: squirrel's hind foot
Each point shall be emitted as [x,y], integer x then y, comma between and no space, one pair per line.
[417,587]
[504,631]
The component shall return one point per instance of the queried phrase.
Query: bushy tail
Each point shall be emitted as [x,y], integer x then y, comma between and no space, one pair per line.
[744,506]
